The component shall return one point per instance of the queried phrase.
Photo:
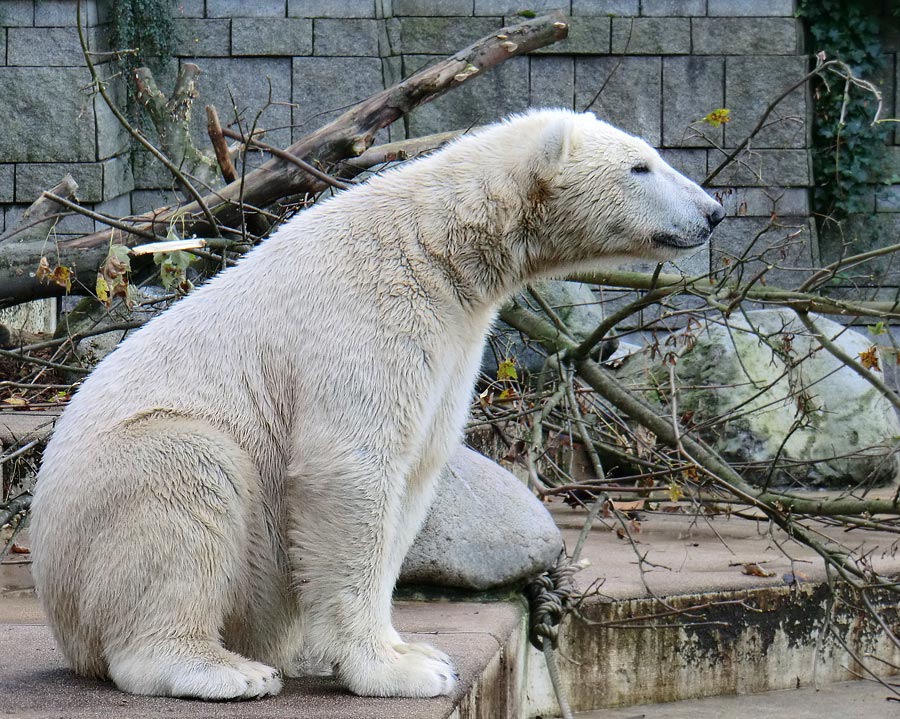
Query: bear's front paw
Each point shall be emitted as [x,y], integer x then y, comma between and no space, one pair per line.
[421,648]
[408,674]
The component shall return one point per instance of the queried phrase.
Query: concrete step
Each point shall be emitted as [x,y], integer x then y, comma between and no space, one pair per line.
[675,617]
[845,700]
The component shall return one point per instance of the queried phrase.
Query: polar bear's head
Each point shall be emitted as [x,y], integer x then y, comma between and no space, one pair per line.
[603,193]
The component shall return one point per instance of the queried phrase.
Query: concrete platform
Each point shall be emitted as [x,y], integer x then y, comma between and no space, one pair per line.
[34,681]
[646,642]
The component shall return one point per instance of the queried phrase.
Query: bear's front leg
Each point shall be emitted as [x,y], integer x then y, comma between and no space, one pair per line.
[352,523]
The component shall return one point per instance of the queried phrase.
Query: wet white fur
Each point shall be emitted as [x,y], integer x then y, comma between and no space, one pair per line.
[244,475]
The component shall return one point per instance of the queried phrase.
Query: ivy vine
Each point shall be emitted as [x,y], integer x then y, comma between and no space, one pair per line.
[144,27]
[848,155]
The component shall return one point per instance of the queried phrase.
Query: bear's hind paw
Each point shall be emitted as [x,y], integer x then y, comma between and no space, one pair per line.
[200,671]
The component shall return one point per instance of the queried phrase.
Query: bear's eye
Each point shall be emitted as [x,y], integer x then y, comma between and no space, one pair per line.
[640,169]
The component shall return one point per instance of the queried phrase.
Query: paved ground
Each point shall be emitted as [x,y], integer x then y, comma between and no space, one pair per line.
[849,700]
[686,555]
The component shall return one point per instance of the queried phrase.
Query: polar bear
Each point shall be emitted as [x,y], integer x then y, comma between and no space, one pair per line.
[231,493]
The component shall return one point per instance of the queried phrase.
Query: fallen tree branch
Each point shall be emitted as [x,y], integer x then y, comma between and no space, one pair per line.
[670,284]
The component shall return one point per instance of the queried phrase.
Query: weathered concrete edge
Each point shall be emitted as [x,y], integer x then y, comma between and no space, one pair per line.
[499,692]
[779,644]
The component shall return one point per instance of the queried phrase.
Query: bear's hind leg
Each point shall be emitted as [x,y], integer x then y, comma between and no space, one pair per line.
[168,562]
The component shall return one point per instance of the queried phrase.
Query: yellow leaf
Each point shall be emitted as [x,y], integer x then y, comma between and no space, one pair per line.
[506,371]
[675,492]
[869,358]
[16,401]
[507,395]
[719,117]
[102,289]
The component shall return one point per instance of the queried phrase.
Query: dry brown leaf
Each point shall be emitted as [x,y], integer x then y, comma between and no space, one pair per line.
[869,358]
[754,570]
[629,506]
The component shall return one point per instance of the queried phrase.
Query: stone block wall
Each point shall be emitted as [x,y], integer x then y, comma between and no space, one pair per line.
[653,67]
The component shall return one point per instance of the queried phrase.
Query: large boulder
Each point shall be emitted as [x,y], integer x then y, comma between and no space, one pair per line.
[827,425]
[485,530]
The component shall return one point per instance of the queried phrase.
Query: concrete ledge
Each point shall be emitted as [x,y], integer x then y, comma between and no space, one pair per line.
[483,638]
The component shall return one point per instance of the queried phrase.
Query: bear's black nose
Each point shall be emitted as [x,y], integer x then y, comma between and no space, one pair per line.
[716,216]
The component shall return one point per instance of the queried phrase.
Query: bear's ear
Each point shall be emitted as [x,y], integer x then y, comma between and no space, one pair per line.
[555,145]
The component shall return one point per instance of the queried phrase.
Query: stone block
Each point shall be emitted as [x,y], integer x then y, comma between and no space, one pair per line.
[587,36]
[762,168]
[324,87]
[112,138]
[148,200]
[270,36]
[32,178]
[630,97]
[341,38]
[7,182]
[118,178]
[430,35]
[651,36]
[247,80]
[751,8]
[332,8]
[887,199]
[692,88]
[116,207]
[690,163]
[189,8]
[17,13]
[61,13]
[46,115]
[389,34]
[479,101]
[3,33]
[751,83]
[202,38]
[861,233]
[746,36]
[148,172]
[45,46]
[606,7]
[552,82]
[789,248]
[432,8]
[513,7]
[243,8]
[673,8]
[763,201]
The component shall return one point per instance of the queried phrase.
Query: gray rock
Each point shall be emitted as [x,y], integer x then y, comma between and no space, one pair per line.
[574,303]
[485,530]
[847,432]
